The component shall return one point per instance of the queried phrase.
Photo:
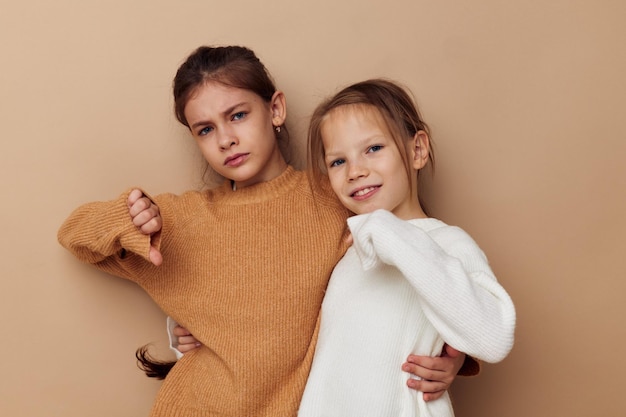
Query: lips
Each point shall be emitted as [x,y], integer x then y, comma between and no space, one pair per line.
[364,192]
[235,160]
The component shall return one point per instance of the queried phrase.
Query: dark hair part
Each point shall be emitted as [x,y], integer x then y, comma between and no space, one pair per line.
[394,103]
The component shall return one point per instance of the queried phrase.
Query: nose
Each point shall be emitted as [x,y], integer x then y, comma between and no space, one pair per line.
[227,139]
[356,170]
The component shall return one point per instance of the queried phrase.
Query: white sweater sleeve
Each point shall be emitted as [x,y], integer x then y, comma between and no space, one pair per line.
[456,287]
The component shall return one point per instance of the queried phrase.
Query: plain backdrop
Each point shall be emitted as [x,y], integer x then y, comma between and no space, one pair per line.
[525,100]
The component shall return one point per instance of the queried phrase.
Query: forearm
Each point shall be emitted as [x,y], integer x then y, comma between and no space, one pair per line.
[99,232]
[457,290]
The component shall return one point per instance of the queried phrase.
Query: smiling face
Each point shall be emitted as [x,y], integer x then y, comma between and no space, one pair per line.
[234,129]
[364,165]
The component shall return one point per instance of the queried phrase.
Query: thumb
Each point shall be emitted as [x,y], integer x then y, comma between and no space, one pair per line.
[450,351]
[155,256]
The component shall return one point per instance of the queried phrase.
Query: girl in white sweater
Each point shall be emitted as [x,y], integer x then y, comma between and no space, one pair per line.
[409,283]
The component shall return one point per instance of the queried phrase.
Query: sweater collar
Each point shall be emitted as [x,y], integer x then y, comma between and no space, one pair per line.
[260,192]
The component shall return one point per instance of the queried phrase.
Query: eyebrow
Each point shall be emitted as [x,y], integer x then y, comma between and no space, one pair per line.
[224,113]
[330,156]
[361,142]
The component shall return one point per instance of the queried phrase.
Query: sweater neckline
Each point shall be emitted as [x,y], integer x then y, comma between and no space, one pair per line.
[263,191]
[427,223]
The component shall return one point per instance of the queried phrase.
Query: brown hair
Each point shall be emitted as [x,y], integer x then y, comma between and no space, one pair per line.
[394,103]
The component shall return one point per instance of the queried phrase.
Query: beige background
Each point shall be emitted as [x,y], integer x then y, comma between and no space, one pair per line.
[526,100]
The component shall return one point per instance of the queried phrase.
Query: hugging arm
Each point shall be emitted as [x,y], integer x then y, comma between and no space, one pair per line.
[437,373]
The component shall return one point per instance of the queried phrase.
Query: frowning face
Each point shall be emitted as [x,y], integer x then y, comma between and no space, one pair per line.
[234,129]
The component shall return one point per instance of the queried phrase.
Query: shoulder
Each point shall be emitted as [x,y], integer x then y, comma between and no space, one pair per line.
[436,227]
[320,190]
[454,239]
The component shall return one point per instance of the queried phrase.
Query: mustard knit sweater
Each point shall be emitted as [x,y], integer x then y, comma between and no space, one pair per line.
[245,271]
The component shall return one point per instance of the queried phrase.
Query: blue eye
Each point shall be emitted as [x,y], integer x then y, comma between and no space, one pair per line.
[205,131]
[337,162]
[239,115]
[375,148]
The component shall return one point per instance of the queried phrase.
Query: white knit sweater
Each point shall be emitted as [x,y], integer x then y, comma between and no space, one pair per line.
[403,287]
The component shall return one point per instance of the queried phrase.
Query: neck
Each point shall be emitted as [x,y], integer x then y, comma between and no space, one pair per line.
[274,166]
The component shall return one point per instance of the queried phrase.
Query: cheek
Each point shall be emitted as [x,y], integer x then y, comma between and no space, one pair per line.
[207,152]
[335,182]
[264,138]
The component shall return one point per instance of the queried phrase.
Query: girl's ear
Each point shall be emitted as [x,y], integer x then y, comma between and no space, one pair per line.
[420,149]
[278,107]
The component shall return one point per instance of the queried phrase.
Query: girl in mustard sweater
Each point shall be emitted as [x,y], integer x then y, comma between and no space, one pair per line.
[243,266]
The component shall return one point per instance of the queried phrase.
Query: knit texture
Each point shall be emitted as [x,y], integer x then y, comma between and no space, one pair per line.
[403,287]
[245,271]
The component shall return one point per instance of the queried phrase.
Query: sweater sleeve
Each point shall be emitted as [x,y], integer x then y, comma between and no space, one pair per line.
[456,287]
[99,233]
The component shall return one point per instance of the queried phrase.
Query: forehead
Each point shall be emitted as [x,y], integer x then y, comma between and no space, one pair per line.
[359,119]
[211,98]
